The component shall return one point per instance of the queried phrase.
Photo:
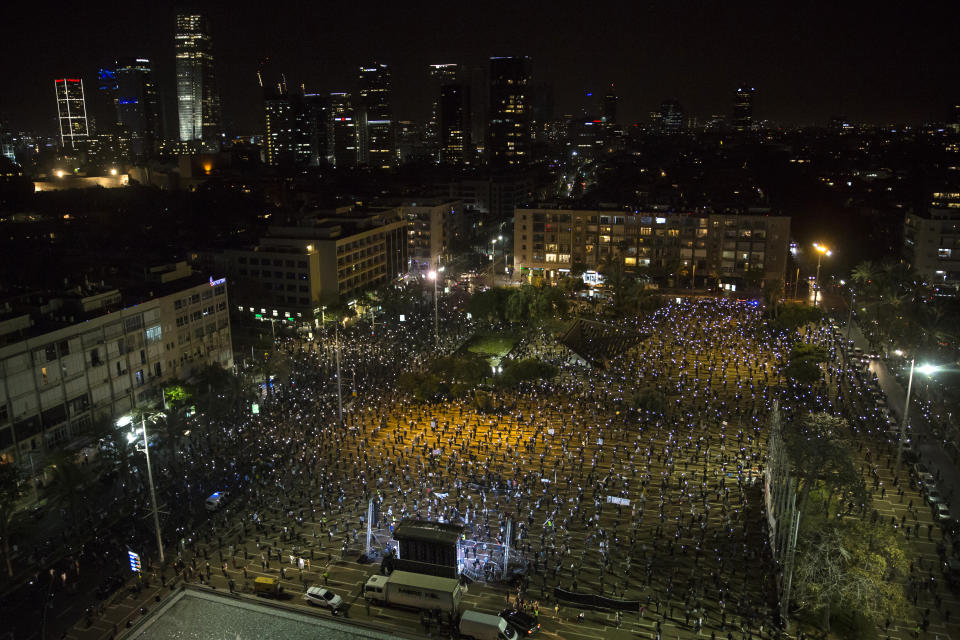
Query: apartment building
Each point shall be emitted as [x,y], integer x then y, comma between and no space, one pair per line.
[931,242]
[703,244]
[72,358]
[323,259]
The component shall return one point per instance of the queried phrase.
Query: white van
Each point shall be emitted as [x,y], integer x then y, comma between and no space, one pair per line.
[485,626]
[216,500]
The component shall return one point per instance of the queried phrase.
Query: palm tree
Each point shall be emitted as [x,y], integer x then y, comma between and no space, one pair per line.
[864,274]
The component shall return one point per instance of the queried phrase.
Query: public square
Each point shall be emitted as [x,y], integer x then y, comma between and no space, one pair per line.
[691,546]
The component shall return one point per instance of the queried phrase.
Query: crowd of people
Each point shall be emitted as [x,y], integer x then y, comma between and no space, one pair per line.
[661,506]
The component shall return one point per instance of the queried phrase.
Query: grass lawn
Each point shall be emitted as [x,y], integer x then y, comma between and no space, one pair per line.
[491,345]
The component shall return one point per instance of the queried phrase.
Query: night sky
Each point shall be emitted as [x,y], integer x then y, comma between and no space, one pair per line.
[880,62]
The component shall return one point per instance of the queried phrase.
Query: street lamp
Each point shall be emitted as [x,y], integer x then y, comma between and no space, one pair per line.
[434,275]
[926,369]
[122,422]
[822,250]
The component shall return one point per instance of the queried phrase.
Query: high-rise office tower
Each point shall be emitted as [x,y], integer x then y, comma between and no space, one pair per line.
[608,111]
[508,134]
[454,111]
[138,105]
[671,117]
[198,103]
[316,108]
[440,75]
[375,117]
[7,149]
[287,141]
[743,108]
[72,112]
[342,132]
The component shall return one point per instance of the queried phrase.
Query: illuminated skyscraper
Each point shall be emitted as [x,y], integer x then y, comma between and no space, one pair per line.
[72,112]
[441,75]
[671,117]
[743,108]
[198,103]
[342,132]
[375,117]
[288,137]
[454,111]
[609,107]
[138,106]
[508,134]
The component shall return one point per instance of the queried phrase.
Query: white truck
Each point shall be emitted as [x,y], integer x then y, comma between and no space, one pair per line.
[485,626]
[414,590]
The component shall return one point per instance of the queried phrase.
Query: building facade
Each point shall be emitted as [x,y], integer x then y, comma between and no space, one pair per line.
[377,143]
[454,124]
[931,242]
[138,106]
[288,135]
[705,245]
[324,259]
[71,113]
[508,133]
[198,101]
[431,223]
[93,355]
[342,139]
[743,108]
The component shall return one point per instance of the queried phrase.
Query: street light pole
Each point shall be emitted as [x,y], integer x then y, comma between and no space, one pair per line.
[821,251]
[153,491]
[435,275]
[816,282]
[906,412]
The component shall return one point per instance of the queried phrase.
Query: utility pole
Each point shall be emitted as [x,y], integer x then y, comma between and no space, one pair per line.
[153,491]
[906,412]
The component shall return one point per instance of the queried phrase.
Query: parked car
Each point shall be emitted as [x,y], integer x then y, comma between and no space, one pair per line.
[522,622]
[323,598]
[941,512]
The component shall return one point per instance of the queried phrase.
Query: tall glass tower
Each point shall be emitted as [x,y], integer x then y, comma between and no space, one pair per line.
[743,108]
[508,133]
[138,106]
[198,103]
[375,126]
[71,111]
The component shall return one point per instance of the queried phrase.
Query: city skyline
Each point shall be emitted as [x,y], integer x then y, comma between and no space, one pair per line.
[805,69]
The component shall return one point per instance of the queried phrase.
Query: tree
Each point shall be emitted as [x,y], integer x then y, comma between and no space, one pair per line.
[792,316]
[518,305]
[115,450]
[772,293]
[821,455]
[852,566]
[68,484]
[648,398]
[10,492]
[804,363]
[489,305]
[577,269]
[622,285]
[864,274]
